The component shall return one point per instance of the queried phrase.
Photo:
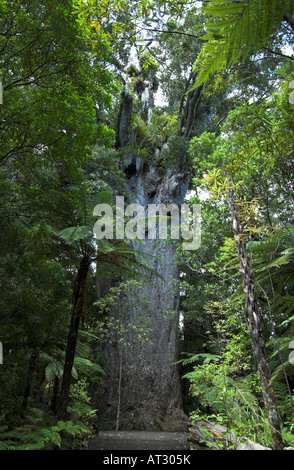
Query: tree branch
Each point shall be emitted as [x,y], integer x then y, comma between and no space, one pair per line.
[172,32]
[277,53]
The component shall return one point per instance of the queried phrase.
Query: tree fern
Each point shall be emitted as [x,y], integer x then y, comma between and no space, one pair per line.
[74,234]
[83,363]
[238,29]
[278,373]
[205,357]
[54,367]
[273,262]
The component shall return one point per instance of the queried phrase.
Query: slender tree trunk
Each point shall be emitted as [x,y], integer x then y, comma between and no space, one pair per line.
[119,386]
[253,318]
[29,379]
[55,395]
[193,101]
[78,311]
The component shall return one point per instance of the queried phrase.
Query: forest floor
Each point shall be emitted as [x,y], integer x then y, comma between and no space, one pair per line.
[139,440]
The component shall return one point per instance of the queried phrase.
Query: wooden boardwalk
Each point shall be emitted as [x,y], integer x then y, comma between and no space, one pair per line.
[139,440]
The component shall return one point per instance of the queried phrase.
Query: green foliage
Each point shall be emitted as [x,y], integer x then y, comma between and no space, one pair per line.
[162,127]
[232,401]
[250,154]
[115,21]
[47,74]
[218,381]
[273,263]
[80,402]
[236,30]
[175,146]
[61,68]
[111,327]
[56,97]
[42,435]
[73,234]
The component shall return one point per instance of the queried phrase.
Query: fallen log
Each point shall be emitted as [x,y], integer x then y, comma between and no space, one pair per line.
[205,435]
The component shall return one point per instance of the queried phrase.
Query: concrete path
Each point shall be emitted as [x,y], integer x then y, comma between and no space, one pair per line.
[139,440]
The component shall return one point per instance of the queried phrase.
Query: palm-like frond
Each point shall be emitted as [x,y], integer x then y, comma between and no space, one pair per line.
[278,373]
[238,29]
[273,262]
[82,363]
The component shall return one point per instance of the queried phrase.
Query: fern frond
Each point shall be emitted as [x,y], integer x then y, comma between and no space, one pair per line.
[53,369]
[197,357]
[278,262]
[82,363]
[74,234]
[281,390]
[244,394]
[243,28]
[285,304]
[278,373]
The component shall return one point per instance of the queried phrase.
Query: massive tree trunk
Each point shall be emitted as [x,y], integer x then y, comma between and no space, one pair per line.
[142,389]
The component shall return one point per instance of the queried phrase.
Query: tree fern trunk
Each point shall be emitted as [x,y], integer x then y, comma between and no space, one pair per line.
[78,310]
[55,394]
[29,379]
[253,319]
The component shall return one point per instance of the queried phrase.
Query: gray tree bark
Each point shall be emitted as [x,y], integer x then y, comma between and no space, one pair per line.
[142,389]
